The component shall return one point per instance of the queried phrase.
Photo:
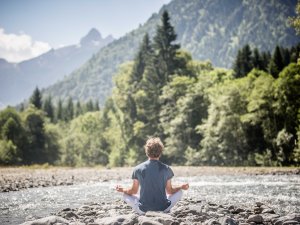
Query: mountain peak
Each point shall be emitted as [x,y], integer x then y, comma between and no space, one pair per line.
[92,37]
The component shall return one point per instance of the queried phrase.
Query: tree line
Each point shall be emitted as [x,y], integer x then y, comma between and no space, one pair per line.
[248,59]
[248,116]
[32,134]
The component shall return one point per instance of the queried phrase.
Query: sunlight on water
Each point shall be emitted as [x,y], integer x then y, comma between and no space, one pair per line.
[281,193]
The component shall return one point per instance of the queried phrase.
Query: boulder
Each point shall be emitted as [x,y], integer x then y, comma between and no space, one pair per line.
[50,220]
[129,219]
[291,222]
[144,220]
[289,217]
[255,219]
[161,217]
[212,221]
[227,221]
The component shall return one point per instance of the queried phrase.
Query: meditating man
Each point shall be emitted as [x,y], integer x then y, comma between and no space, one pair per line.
[157,192]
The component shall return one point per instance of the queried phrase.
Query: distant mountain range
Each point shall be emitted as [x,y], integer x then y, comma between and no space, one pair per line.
[209,29]
[18,80]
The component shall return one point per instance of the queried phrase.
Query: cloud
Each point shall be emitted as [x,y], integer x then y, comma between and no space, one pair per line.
[19,47]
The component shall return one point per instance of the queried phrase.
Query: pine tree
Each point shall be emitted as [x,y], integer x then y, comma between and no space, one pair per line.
[243,63]
[89,106]
[36,98]
[266,57]
[247,60]
[59,110]
[69,110]
[286,56]
[165,49]
[237,66]
[276,63]
[49,108]
[257,60]
[140,61]
[78,110]
[96,106]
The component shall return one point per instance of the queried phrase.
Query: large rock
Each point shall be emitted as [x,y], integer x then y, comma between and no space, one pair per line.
[144,220]
[269,217]
[290,217]
[227,221]
[161,217]
[212,221]
[129,219]
[255,219]
[50,220]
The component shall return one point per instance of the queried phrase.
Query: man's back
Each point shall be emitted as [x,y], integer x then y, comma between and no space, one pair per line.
[152,176]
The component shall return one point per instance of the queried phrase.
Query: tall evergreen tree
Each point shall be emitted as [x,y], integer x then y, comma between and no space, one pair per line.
[237,66]
[78,110]
[140,61]
[49,108]
[276,63]
[36,98]
[89,106]
[257,60]
[286,56]
[69,110]
[165,49]
[96,105]
[266,57]
[59,110]
[243,63]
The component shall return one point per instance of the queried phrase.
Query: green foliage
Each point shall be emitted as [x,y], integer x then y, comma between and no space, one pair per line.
[83,143]
[8,153]
[34,121]
[224,137]
[295,21]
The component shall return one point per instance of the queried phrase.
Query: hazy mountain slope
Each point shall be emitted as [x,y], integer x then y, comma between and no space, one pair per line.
[215,30]
[209,29]
[17,81]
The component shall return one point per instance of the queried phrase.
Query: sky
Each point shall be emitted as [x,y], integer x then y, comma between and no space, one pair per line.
[29,28]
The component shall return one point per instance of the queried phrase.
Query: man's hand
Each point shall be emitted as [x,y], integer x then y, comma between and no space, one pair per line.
[129,191]
[185,186]
[119,188]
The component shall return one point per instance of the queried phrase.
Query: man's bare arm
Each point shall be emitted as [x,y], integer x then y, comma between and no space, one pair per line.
[172,190]
[129,191]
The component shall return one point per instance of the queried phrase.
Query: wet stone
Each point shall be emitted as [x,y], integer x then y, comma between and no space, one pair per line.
[255,219]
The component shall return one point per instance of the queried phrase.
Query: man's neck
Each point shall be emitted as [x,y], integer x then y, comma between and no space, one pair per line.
[153,158]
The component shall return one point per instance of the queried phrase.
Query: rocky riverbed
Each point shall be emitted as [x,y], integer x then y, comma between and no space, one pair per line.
[235,196]
[186,212]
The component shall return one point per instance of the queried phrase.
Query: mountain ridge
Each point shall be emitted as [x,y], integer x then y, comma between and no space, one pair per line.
[18,80]
[209,30]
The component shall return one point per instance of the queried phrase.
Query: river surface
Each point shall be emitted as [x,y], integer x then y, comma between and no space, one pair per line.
[280,192]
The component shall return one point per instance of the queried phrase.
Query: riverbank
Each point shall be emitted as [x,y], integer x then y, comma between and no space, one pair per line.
[186,212]
[18,178]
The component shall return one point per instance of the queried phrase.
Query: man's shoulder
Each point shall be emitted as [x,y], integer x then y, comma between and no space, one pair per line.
[164,165]
[140,166]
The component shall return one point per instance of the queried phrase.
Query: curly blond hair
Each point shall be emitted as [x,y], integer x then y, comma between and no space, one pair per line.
[154,147]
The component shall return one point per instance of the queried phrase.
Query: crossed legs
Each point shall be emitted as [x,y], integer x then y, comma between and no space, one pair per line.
[133,201]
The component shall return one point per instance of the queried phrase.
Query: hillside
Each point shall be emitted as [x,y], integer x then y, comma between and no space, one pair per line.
[18,80]
[212,30]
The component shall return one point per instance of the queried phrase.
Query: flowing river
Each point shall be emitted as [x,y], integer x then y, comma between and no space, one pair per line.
[280,192]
